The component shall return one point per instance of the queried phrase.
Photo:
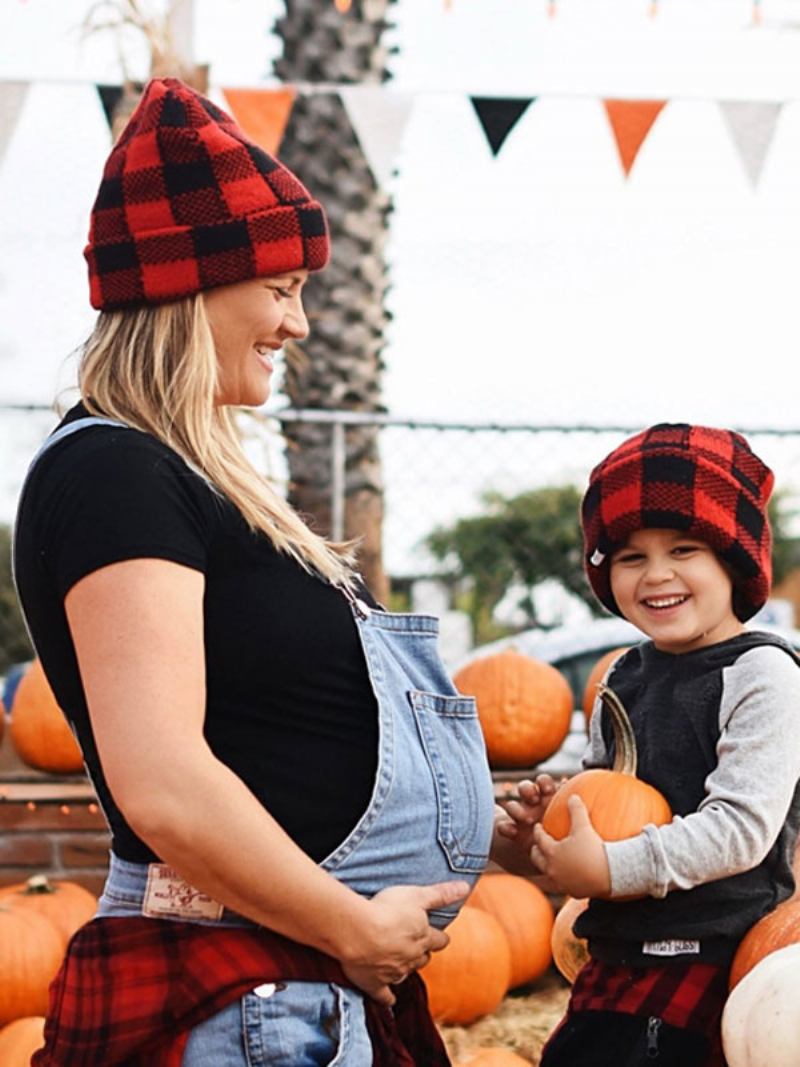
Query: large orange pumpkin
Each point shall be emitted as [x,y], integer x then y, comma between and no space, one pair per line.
[524,706]
[66,904]
[39,730]
[525,914]
[570,953]
[470,977]
[619,804]
[493,1056]
[31,950]
[777,929]
[597,674]
[20,1039]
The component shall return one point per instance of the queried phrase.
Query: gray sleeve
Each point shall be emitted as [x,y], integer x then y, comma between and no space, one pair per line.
[748,793]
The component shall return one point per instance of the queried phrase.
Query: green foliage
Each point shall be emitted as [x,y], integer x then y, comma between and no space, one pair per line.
[14,644]
[521,541]
[785,548]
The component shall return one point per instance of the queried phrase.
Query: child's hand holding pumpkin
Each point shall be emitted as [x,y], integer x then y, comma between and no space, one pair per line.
[576,864]
[513,825]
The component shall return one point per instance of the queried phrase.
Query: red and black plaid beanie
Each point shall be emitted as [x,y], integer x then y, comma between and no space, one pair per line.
[188,202]
[705,481]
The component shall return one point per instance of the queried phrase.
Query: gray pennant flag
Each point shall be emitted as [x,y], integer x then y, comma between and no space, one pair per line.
[752,127]
[12,99]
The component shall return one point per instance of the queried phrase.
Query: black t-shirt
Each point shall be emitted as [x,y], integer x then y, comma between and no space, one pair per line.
[290,708]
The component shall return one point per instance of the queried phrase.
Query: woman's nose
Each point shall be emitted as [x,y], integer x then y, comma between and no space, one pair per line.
[295,323]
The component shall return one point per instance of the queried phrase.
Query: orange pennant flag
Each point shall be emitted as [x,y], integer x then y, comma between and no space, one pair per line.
[262,113]
[631,121]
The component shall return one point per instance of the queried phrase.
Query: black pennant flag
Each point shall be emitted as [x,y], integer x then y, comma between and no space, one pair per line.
[109,97]
[499,116]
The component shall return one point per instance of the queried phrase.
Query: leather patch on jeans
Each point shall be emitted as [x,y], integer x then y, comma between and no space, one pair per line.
[168,896]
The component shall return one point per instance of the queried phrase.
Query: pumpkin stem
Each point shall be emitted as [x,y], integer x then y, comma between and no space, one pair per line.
[624,739]
[38,884]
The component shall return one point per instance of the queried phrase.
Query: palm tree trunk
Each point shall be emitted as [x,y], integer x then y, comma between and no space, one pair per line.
[341,364]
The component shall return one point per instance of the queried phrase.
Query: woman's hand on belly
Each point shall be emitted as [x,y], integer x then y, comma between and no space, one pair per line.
[396,937]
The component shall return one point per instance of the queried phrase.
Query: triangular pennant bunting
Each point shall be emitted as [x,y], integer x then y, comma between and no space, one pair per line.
[498,116]
[631,121]
[110,96]
[379,118]
[262,113]
[752,127]
[12,100]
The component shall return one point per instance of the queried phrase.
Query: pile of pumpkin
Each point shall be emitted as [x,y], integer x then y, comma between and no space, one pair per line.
[37,919]
[38,730]
[501,940]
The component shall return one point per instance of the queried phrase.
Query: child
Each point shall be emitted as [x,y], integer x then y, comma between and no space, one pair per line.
[677,541]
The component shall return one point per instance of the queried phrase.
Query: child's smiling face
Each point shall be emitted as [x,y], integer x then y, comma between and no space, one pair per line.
[675,589]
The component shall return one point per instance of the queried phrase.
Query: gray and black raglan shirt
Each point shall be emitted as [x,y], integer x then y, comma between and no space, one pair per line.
[718,733]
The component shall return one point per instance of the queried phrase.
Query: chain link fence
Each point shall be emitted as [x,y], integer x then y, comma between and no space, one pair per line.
[435,472]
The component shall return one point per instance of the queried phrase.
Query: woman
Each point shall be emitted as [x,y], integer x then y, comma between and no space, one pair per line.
[291,780]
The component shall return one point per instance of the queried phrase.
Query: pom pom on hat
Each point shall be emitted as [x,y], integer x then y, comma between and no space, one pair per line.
[188,202]
[704,481]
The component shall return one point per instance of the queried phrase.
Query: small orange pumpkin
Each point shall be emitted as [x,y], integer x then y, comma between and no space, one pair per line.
[775,930]
[470,976]
[31,950]
[20,1039]
[66,904]
[525,914]
[619,804]
[597,674]
[524,706]
[493,1056]
[39,730]
[570,953]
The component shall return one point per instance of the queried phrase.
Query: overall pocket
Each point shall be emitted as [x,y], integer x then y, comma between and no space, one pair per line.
[456,754]
[305,1024]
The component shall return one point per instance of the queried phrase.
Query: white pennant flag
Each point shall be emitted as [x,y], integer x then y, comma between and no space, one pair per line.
[12,100]
[379,117]
[752,127]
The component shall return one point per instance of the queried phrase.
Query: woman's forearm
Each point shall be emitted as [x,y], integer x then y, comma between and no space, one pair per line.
[202,820]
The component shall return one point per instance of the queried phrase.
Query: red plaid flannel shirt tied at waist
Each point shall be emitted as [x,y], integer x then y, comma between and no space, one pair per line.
[686,995]
[131,989]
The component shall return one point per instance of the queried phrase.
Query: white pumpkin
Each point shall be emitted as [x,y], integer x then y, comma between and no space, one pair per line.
[761,1020]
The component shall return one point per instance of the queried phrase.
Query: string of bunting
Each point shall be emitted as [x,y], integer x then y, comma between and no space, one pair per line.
[343,6]
[380,116]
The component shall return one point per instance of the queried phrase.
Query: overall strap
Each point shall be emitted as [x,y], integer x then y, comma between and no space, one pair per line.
[58,435]
[69,429]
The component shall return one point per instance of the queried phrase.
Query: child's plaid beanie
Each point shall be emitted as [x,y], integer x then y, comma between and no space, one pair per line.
[188,202]
[704,481]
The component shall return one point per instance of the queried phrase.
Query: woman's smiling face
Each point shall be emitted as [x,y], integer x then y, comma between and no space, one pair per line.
[675,589]
[250,321]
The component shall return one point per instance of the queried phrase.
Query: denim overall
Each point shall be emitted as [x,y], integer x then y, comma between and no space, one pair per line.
[429,819]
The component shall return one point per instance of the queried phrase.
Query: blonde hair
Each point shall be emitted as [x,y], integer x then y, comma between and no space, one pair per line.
[155,368]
